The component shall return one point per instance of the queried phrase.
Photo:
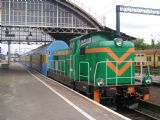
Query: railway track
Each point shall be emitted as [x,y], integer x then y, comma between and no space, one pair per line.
[156,84]
[145,111]
[154,94]
[150,108]
[135,114]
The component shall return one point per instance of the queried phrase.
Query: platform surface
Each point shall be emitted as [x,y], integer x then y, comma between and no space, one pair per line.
[156,78]
[24,97]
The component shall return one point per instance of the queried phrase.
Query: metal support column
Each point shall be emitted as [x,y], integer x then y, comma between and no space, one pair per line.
[9,14]
[0,13]
[9,52]
[57,16]
[118,19]
[26,12]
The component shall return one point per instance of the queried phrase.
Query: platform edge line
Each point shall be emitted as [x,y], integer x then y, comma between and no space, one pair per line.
[121,116]
[65,99]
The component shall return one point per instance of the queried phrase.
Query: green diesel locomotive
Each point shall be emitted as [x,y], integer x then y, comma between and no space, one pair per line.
[101,66]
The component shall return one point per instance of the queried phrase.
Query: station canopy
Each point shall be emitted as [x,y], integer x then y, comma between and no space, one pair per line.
[36,21]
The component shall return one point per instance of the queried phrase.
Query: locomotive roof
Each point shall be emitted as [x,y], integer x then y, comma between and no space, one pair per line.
[111,35]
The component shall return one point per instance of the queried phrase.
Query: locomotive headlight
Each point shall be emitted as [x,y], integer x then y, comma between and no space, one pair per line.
[100,82]
[148,81]
[118,42]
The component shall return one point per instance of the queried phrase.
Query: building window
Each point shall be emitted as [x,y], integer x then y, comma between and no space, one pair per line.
[158,58]
[148,58]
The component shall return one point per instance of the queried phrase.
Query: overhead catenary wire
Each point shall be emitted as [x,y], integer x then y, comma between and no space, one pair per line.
[113,9]
[106,6]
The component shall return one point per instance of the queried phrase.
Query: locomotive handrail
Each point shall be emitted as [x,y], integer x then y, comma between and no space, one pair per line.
[96,70]
[62,71]
[72,68]
[74,57]
[131,73]
[131,77]
[142,69]
[84,62]
[50,65]
[58,63]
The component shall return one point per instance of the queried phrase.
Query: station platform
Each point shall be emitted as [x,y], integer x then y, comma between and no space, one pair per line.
[156,78]
[28,95]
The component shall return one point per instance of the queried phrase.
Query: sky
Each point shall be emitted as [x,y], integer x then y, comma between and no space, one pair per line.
[139,26]
[16,48]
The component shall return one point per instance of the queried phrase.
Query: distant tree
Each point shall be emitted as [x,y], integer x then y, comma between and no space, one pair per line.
[141,45]
[157,46]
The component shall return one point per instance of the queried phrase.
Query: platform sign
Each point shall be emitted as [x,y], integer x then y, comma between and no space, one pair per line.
[85,40]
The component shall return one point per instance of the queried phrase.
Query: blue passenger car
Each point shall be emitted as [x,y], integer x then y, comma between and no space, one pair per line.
[48,54]
[42,57]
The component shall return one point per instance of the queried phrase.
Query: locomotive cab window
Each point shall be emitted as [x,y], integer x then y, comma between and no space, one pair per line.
[71,45]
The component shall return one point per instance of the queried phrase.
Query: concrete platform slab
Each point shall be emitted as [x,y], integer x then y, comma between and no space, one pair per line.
[156,78]
[31,96]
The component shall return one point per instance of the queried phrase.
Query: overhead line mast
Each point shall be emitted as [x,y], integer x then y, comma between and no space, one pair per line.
[135,10]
